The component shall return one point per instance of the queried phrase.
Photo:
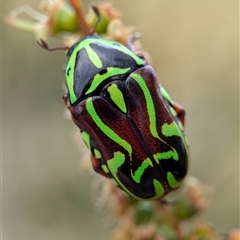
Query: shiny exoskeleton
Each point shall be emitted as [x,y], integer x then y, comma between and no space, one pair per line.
[127,120]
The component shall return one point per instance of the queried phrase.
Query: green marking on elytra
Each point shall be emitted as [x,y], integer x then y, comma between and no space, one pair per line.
[149,162]
[149,103]
[86,139]
[166,155]
[172,180]
[173,112]
[159,190]
[117,161]
[104,168]
[114,164]
[117,97]
[99,78]
[171,129]
[106,129]
[94,58]
[141,169]
[174,129]
[165,94]
[97,154]
[180,125]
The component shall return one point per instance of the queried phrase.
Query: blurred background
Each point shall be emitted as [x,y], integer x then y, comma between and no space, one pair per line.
[194,48]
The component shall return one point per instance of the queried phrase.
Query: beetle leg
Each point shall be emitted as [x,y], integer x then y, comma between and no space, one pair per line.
[180,112]
[130,42]
[130,46]
[97,13]
[97,166]
[66,100]
[43,44]
[78,8]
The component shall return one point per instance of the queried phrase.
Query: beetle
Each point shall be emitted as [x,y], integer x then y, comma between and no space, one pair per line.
[133,129]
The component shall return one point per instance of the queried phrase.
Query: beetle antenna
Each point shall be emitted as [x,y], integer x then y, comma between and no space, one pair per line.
[97,13]
[43,44]
[133,39]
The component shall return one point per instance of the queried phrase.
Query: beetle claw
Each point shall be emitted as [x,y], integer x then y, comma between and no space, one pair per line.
[43,44]
[97,13]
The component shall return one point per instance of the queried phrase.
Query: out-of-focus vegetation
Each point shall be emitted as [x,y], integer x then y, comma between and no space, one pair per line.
[194,48]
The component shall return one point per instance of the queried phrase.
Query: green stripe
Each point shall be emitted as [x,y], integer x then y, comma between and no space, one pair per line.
[173,111]
[141,169]
[106,129]
[70,69]
[171,129]
[99,78]
[86,139]
[172,180]
[166,155]
[159,189]
[70,81]
[114,164]
[94,58]
[166,128]
[117,97]
[149,103]
[165,94]
[119,158]
[97,154]
[105,168]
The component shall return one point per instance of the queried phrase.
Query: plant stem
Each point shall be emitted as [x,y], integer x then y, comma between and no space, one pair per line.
[82,24]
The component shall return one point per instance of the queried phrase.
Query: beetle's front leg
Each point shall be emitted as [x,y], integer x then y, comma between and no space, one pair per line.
[66,100]
[131,47]
[180,112]
[97,166]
